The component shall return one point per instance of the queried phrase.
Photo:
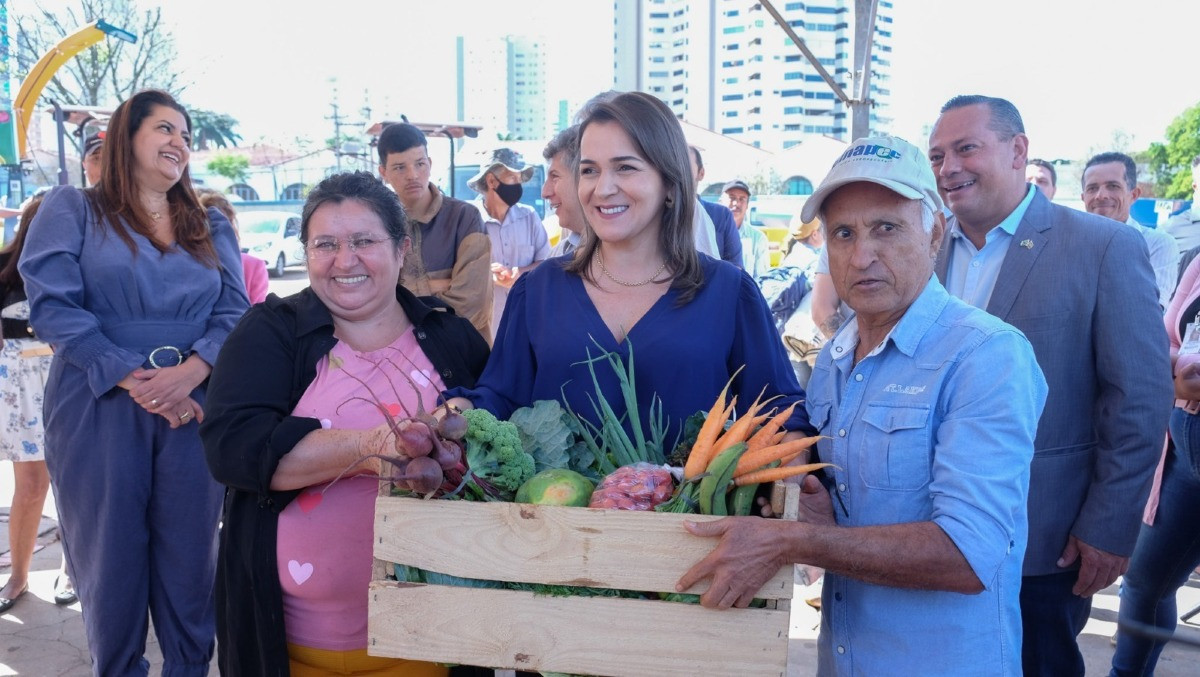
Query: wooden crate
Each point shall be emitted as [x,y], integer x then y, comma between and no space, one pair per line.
[509,629]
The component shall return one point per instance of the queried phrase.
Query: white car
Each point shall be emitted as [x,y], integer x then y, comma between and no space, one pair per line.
[273,237]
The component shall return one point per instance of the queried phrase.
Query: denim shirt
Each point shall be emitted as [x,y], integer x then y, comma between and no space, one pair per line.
[936,424]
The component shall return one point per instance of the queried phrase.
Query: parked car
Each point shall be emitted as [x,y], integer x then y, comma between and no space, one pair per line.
[273,237]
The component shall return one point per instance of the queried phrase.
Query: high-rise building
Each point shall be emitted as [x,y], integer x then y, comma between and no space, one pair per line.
[667,48]
[502,85]
[726,65]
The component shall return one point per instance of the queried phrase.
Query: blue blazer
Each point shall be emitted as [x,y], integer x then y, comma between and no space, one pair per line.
[1081,289]
[728,241]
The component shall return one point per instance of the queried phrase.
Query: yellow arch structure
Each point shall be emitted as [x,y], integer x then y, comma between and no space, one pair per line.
[48,65]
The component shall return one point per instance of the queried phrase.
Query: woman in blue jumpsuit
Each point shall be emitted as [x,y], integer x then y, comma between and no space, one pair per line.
[136,288]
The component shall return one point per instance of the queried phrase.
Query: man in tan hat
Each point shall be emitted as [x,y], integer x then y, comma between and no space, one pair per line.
[519,240]
[931,447]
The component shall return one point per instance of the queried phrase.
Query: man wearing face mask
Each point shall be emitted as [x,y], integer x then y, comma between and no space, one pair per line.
[519,240]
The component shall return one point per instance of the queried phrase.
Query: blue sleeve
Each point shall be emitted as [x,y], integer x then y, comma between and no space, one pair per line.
[758,346]
[728,242]
[983,448]
[506,383]
[232,301]
[55,286]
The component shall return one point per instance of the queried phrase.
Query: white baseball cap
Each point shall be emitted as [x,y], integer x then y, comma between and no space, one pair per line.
[888,161]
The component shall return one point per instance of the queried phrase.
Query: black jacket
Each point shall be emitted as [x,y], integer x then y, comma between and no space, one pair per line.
[265,366]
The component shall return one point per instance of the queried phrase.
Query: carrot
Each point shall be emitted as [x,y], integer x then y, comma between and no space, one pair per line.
[774,474]
[763,437]
[744,425]
[713,424]
[750,462]
[739,431]
[701,453]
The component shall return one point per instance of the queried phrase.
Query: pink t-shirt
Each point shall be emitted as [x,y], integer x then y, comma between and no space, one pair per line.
[254,272]
[324,541]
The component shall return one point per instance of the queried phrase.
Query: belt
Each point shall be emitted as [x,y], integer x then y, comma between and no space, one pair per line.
[16,329]
[166,356]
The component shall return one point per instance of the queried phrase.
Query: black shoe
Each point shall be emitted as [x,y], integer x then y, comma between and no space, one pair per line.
[6,603]
[64,596]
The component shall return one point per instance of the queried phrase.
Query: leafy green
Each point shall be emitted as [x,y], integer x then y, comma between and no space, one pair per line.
[552,436]
[691,428]
[610,442]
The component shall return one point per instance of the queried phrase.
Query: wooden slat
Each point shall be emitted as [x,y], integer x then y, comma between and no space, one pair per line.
[583,635]
[625,550]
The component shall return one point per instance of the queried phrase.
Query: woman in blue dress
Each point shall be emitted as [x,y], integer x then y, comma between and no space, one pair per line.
[136,287]
[636,284]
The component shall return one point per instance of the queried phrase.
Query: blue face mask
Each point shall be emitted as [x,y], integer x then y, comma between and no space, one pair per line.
[509,193]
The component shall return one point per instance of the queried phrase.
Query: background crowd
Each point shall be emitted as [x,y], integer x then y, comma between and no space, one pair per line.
[1003,383]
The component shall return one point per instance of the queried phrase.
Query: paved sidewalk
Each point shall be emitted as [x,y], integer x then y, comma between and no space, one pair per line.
[41,639]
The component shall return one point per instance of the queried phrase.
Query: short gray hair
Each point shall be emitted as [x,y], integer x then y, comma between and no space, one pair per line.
[566,142]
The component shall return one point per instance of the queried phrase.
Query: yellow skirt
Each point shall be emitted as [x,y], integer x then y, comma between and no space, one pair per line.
[308,662]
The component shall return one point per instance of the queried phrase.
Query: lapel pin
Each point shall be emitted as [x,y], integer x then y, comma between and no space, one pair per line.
[1028,244]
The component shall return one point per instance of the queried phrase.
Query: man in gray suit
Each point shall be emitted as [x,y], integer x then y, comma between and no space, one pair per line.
[1081,289]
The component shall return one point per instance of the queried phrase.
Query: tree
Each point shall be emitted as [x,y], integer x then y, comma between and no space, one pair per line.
[109,71]
[1171,163]
[232,167]
[215,129]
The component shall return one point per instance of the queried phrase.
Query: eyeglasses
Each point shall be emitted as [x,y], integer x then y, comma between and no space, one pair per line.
[327,247]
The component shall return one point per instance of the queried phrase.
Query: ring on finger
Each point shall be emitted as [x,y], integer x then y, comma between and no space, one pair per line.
[154,402]
[185,416]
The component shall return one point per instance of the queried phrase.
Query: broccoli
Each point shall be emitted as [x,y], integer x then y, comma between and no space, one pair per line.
[494,452]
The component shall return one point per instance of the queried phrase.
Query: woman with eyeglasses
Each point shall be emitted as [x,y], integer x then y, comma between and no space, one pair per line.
[292,404]
[135,286]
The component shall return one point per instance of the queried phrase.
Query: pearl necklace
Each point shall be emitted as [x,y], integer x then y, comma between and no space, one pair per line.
[623,283]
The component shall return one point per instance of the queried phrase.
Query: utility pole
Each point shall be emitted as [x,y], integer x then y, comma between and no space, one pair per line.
[337,131]
[864,36]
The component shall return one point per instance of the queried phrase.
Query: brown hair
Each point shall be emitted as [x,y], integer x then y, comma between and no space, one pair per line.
[656,133]
[115,199]
[10,277]
[211,199]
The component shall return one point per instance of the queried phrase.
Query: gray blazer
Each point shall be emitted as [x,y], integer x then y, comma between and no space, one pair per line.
[1082,290]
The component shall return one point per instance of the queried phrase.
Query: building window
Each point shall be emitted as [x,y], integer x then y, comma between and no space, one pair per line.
[296,191]
[244,192]
[797,185]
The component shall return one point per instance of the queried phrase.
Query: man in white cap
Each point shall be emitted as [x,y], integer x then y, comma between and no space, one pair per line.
[929,408]
[92,169]
[519,240]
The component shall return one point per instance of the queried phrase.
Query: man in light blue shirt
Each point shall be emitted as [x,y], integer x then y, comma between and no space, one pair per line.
[929,409]
[756,249]
[1110,189]
[519,240]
